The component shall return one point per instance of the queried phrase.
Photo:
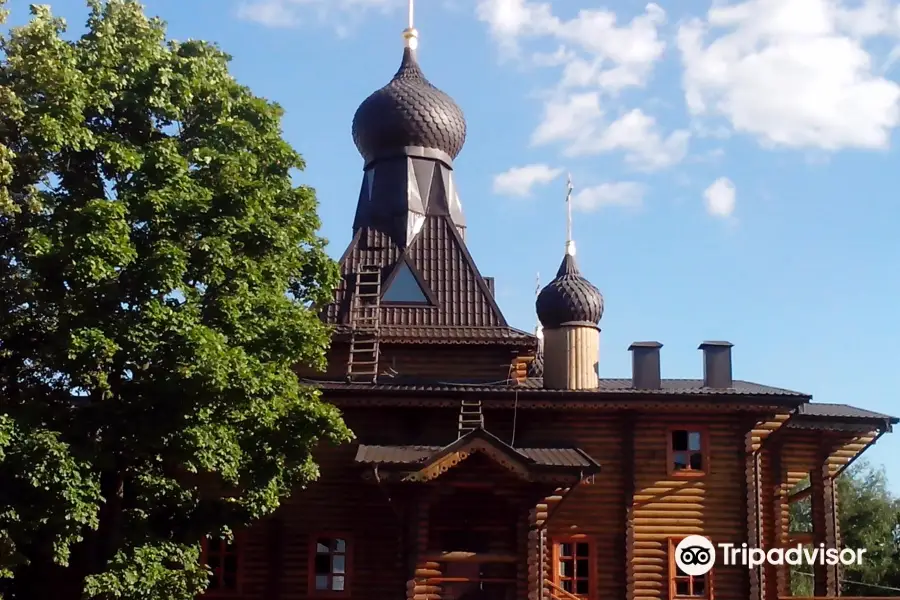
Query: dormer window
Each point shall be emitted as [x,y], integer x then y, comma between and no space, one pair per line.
[687,451]
[404,287]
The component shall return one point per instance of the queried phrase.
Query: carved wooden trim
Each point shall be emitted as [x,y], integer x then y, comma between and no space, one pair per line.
[452,459]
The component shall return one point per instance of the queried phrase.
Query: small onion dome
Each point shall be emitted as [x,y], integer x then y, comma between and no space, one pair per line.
[570,298]
[536,367]
[408,111]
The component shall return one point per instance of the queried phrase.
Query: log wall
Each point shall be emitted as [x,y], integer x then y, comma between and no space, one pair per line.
[667,506]
[629,511]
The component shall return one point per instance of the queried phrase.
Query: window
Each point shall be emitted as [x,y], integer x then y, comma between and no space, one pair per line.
[329,566]
[683,586]
[573,566]
[223,560]
[687,452]
[404,288]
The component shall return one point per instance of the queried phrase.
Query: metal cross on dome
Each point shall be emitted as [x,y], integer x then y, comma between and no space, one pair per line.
[570,242]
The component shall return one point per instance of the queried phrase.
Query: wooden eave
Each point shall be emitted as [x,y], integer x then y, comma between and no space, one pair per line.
[479,441]
[451,335]
[842,439]
[841,424]
[555,400]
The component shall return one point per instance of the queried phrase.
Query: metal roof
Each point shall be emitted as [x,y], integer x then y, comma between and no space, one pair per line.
[410,455]
[841,411]
[680,387]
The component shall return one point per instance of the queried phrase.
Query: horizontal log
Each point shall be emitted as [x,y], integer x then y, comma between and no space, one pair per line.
[434,580]
[470,557]
[426,573]
[835,597]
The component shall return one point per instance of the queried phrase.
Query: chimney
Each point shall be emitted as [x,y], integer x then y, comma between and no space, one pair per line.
[717,365]
[489,282]
[645,365]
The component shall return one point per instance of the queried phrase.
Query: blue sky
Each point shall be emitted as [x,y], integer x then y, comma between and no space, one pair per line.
[734,167]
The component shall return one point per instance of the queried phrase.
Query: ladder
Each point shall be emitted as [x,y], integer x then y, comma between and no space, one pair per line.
[365,316]
[470,416]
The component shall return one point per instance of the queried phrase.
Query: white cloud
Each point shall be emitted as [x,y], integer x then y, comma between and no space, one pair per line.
[793,73]
[275,14]
[597,56]
[637,135]
[620,193]
[519,181]
[290,13]
[570,118]
[720,198]
[595,49]
[578,121]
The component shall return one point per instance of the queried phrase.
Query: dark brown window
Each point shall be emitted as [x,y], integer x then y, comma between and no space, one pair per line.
[222,558]
[683,586]
[330,566]
[574,564]
[688,452]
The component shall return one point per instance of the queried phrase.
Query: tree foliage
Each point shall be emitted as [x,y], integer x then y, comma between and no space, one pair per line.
[869,516]
[157,269]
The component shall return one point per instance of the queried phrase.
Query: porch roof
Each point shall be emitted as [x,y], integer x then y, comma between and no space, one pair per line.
[839,417]
[425,462]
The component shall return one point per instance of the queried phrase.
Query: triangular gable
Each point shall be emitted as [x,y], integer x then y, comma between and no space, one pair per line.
[477,441]
[405,286]
[457,294]
[441,256]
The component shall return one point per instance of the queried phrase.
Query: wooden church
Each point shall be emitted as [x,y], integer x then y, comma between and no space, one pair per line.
[494,464]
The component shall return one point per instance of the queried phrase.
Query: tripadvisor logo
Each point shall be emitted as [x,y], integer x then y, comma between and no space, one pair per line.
[695,555]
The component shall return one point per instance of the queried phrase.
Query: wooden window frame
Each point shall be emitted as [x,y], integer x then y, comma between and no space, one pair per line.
[673,576]
[312,592]
[239,552]
[556,542]
[704,451]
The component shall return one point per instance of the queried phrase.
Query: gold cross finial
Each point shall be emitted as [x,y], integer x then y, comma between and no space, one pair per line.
[410,34]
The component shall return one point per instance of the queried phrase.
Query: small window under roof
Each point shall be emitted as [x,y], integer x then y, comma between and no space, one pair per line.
[404,288]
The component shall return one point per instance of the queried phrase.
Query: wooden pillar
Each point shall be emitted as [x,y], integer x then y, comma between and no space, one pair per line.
[523,546]
[417,587]
[825,531]
[535,555]
[751,496]
[628,472]
[781,511]
[275,549]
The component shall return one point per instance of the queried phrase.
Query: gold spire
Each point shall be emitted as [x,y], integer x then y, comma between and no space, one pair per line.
[411,34]
[570,243]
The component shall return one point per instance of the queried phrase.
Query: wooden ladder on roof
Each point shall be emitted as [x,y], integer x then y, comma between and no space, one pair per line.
[470,416]
[365,320]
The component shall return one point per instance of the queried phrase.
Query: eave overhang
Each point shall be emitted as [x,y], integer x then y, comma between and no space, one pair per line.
[411,464]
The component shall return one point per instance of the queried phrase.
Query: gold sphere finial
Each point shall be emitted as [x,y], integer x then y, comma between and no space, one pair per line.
[411,34]
[411,37]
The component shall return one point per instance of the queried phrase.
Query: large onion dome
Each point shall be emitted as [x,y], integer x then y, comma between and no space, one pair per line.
[408,112]
[569,298]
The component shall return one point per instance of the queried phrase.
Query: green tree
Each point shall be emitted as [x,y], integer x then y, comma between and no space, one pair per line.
[869,519]
[157,273]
